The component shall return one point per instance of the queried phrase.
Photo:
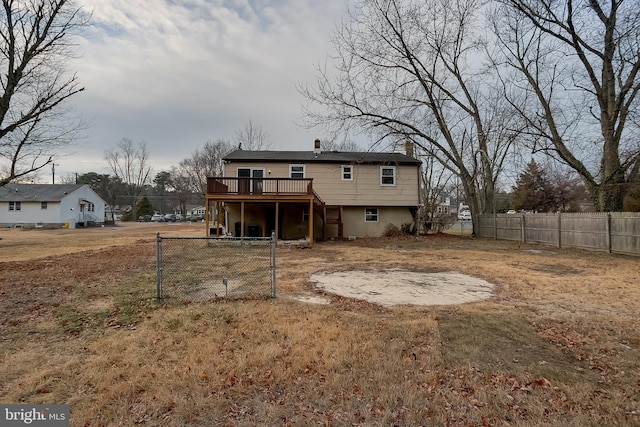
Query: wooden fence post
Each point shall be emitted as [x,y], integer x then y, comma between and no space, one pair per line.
[608,219]
[559,229]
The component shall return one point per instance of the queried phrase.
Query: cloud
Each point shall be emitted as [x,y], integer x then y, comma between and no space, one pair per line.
[177,73]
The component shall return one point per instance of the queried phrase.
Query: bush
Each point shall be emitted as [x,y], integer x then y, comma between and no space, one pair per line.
[408,228]
[392,231]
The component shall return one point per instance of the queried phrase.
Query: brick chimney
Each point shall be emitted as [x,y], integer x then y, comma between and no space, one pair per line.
[408,149]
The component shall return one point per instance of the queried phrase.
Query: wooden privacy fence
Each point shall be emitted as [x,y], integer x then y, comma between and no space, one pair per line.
[617,232]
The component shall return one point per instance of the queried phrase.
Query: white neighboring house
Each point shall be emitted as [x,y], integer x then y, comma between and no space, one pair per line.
[50,205]
[199,211]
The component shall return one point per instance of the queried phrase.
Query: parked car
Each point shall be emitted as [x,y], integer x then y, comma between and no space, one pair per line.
[511,212]
[144,218]
[170,218]
[157,218]
[464,215]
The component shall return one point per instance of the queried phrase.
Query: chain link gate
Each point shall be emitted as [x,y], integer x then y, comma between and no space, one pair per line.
[206,268]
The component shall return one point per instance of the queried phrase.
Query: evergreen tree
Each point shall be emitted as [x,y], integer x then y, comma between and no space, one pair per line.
[533,190]
[144,207]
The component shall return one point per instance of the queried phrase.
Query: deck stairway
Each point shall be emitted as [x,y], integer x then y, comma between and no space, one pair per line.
[330,215]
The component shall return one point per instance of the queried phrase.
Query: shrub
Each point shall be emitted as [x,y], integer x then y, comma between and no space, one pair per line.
[392,231]
[408,228]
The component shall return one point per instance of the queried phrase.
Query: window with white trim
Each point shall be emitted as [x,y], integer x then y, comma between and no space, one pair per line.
[43,205]
[296,171]
[371,215]
[15,206]
[388,175]
[347,173]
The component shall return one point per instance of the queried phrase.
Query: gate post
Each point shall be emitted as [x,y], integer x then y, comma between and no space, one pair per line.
[158,267]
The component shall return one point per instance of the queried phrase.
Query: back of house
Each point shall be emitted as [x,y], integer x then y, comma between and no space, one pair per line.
[315,193]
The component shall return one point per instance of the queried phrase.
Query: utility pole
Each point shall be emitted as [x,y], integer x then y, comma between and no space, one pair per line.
[53,172]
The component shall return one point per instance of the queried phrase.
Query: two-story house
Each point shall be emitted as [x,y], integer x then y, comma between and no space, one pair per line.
[313,194]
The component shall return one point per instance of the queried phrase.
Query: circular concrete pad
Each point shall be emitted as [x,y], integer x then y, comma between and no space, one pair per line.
[393,287]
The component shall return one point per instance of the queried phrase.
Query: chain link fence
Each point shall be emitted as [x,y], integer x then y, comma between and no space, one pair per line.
[207,268]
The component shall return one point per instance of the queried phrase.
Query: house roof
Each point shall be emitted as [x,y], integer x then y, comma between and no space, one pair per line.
[36,192]
[322,157]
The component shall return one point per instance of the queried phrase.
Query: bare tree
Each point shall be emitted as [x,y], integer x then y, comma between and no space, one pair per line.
[130,164]
[343,145]
[202,164]
[577,62]
[435,183]
[182,188]
[35,41]
[413,70]
[253,137]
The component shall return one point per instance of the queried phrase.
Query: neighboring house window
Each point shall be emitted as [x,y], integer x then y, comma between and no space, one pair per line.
[371,215]
[43,205]
[91,207]
[15,206]
[296,171]
[388,175]
[347,173]
[305,214]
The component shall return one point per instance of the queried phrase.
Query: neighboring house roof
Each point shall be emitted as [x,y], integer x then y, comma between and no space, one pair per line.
[37,192]
[322,157]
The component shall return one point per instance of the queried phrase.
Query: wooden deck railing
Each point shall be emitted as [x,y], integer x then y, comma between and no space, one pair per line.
[259,186]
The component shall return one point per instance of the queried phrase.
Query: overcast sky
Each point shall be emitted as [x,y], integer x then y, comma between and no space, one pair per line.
[177,73]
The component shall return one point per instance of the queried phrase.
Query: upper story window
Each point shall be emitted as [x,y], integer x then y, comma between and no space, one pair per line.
[388,175]
[347,173]
[43,205]
[296,171]
[15,206]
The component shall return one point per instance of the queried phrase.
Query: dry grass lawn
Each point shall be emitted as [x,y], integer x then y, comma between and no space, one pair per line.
[557,344]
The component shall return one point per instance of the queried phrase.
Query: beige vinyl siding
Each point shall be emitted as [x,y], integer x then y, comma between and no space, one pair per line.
[271,170]
[363,190]
[355,224]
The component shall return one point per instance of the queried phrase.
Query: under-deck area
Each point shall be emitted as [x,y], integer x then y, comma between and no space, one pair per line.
[255,207]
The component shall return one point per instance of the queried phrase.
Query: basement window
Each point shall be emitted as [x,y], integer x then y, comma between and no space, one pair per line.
[371,215]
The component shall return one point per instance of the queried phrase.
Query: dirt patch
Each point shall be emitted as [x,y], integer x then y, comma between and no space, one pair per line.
[397,287]
[557,269]
[472,339]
